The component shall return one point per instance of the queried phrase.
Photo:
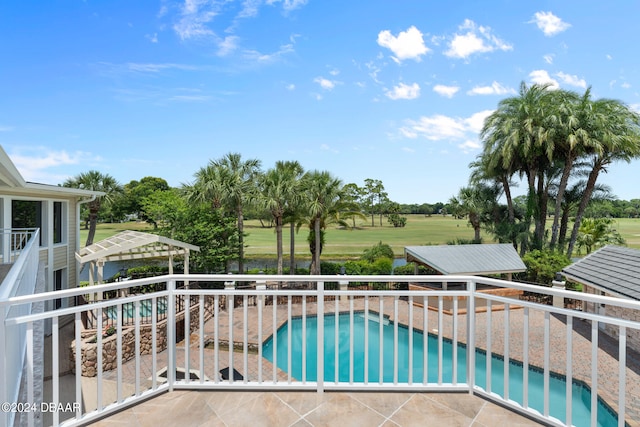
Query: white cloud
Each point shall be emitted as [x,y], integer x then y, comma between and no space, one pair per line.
[625,85]
[474,39]
[572,80]
[36,163]
[290,86]
[494,89]
[153,38]
[635,107]
[459,130]
[542,77]
[408,150]
[156,68]
[195,16]
[325,84]
[288,5]
[408,45]
[334,72]
[403,91]
[549,23]
[548,58]
[609,57]
[447,91]
[5,128]
[265,58]
[227,45]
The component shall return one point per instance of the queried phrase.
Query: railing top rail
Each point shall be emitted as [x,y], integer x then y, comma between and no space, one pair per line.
[263,279]
[11,279]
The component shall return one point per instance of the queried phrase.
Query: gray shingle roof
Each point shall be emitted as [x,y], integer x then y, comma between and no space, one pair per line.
[612,268]
[468,259]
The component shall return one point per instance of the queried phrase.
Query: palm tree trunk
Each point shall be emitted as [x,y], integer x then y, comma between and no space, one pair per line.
[93,222]
[559,198]
[507,195]
[240,240]
[586,197]
[292,249]
[316,254]
[279,243]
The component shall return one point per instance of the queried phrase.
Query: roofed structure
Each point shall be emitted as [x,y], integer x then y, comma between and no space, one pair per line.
[613,269]
[128,245]
[467,259]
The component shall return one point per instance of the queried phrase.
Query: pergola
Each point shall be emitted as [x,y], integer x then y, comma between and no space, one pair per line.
[129,245]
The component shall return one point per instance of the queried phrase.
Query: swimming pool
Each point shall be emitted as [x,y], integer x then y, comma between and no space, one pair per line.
[581,394]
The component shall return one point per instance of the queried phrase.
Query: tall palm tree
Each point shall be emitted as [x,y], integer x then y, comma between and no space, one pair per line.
[515,135]
[278,191]
[95,181]
[322,198]
[617,129]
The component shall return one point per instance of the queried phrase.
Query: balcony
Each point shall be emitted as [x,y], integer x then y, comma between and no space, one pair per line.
[286,336]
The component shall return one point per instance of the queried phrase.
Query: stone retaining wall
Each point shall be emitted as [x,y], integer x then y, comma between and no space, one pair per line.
[110,347]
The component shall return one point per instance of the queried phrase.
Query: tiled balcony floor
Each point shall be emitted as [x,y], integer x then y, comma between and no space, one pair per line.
[256,409]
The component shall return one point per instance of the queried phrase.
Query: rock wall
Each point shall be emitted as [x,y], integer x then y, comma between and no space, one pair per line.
[89,349]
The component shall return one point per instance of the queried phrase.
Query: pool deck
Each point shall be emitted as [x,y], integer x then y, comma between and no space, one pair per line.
[325,409]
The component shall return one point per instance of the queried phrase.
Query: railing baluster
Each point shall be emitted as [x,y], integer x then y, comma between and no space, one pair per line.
[505,359]
[245,338]
[395,340]
[366,339]
[261,301]
[569,374]
[119,349]
[381,332]
[274,316]
[187,337]
[351,337]
[525,359]
[425,339]
[216,339]
[488,353]
[440,338]
[336,316]
[289,337]
[137,345]
[304,339]
[410,351]
[622,374]
[201,337]
[78,350]
[171,333]
[231,306]
[320,345]
[55,370]
[99,358]
[454,342]
[29,362]
[546,380]
[594,372]
[154,342]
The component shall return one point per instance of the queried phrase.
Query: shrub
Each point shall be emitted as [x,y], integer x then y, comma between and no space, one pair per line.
[380,250]
[542,266]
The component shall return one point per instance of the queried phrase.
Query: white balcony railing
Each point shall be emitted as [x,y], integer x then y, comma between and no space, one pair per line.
[20,251]
[131,354]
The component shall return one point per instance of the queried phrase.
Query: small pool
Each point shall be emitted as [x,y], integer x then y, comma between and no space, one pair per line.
[129,309]
[581,393]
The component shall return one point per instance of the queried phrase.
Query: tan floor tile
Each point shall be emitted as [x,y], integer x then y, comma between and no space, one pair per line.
[304,402]
[346,412]
[494,415]
[383,403]
[269,410]
[464,403]
[422,411]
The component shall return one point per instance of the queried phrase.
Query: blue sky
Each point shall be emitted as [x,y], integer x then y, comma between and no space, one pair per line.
[390,90]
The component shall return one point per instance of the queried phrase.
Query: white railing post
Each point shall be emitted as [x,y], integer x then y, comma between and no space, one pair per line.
[471,335]
[171,333]
[4,417]
[320,345]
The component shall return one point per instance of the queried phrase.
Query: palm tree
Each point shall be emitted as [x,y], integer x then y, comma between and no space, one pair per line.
[515,135]
[323,195]
[478,203]
[229,183]
[616,128]
[278,192]
[598,232]
[95,181]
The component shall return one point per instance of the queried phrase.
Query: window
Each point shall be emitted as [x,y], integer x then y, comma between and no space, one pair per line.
[58,215]
[26,214]
[58,280]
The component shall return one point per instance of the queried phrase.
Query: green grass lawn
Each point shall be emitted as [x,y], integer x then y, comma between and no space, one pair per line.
[420,230]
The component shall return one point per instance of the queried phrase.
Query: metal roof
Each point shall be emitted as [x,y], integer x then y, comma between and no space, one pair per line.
[468,259]
[614,269]
[128,245]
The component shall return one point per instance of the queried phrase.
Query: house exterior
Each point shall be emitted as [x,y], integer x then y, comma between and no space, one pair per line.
[611,271]
[52,209]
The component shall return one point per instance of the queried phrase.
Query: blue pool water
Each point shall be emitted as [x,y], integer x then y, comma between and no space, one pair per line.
[581,393]
[129,309]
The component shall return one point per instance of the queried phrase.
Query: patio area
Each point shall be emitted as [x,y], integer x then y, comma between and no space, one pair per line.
[251,409]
